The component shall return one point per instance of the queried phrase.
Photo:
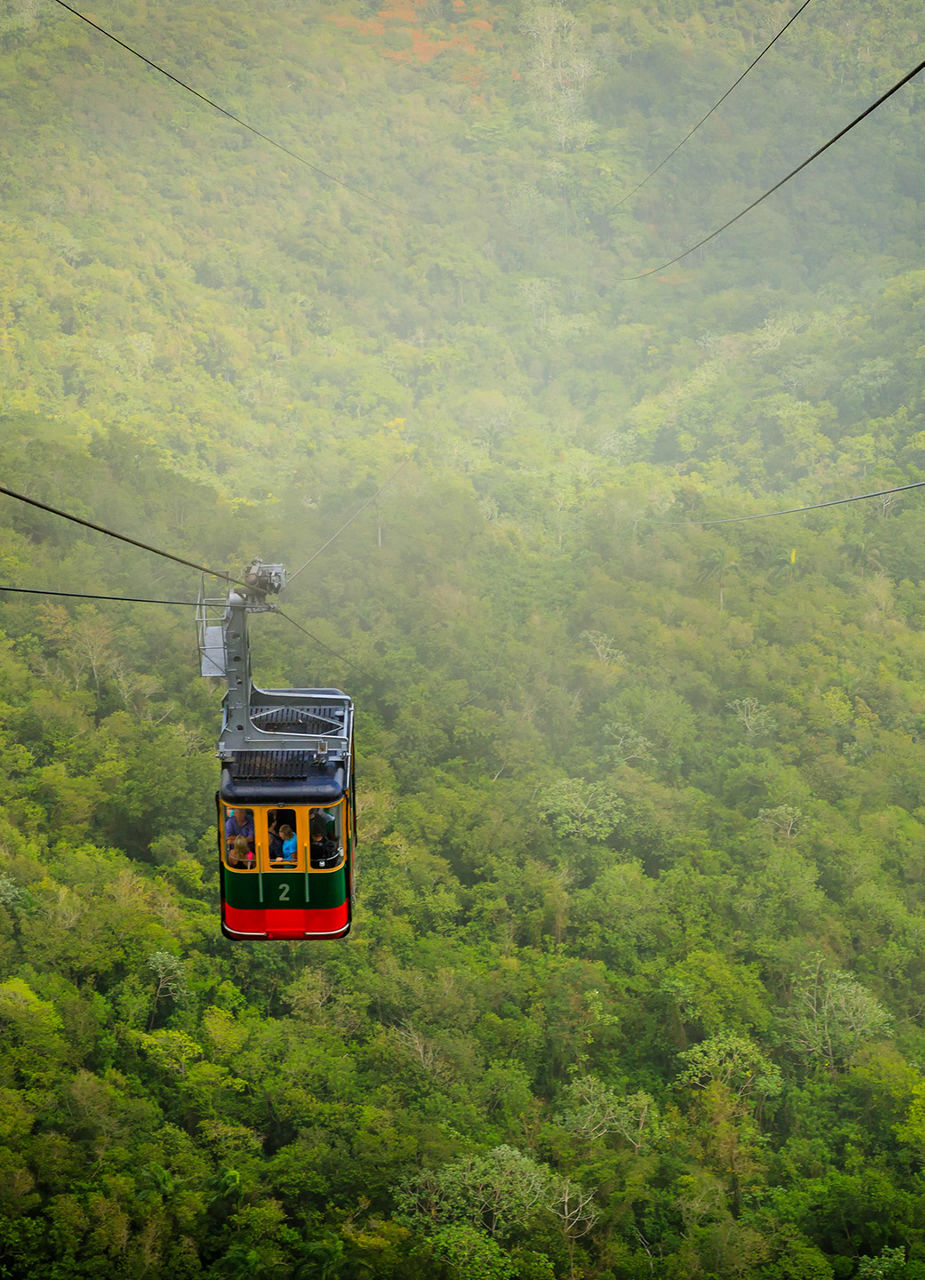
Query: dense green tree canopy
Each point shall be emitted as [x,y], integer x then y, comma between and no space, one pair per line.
[634,987]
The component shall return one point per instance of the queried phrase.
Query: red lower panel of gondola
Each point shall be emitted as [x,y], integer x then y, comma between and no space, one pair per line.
[286,922]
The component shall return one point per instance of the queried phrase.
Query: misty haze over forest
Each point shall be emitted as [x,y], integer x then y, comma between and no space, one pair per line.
[634,984]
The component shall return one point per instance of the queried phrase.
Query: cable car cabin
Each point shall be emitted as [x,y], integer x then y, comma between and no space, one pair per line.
[286,808]
[287,833]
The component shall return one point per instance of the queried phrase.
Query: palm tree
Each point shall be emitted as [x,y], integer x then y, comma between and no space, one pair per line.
[717,566]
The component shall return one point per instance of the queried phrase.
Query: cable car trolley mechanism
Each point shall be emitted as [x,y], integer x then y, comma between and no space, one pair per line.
[286,804]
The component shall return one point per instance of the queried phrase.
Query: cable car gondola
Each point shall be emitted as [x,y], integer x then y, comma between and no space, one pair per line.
[286,814]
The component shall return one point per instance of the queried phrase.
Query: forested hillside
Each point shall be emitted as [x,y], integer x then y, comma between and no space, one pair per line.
[635,983]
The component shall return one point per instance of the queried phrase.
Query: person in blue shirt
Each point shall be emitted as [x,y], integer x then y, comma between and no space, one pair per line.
[239,823]
[290,843]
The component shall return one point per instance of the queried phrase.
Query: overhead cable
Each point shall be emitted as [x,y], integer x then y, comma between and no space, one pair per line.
[792,511]
[85,595]
[298,626]
[111,533]
[230,115]
[841,133]
[719,102]
[334,536]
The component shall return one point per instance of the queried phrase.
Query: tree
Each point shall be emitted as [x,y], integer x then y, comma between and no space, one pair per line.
[718,565]
[471,1254]
[734,1061]
[594,1112]
[831,1015]
[603,646]
[576,1210]
[889,1264]
[753,717]
[496,1192]
[782,819]
[582,810]
[171,980]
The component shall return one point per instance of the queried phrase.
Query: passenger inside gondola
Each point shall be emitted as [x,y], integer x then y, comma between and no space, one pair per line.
[240,822]
[240,855]
[323,850]
[276,845]
[290,845]
[278,821]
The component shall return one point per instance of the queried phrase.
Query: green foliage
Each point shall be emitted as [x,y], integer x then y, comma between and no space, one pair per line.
[888,1263]
[470,1252]
[498,1192]
[832,1015]
[635,982]
[594,1112]
[734,1062]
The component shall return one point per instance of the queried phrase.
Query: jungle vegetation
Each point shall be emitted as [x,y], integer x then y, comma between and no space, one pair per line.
[635,987]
